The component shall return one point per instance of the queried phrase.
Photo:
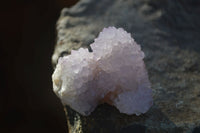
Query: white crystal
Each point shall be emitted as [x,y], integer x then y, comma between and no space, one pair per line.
[113,73]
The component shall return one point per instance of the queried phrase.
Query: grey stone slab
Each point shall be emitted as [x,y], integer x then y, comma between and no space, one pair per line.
[168,32]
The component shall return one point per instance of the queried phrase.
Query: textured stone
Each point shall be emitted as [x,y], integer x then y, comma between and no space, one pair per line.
[168,32]
[113,73]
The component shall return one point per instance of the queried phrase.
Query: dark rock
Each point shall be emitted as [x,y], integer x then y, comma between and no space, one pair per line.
[135,127]
[168,31]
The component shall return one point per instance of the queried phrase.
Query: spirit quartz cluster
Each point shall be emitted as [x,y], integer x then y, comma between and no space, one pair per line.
[113,73]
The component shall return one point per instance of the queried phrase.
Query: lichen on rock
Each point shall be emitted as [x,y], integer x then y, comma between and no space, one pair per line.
[114,73]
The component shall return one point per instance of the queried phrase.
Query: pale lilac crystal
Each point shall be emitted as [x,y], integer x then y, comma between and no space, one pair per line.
[113,73]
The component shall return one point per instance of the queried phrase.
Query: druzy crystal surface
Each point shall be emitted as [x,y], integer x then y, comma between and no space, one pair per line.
[113,73]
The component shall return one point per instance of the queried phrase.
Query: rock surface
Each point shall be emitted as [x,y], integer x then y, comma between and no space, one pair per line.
[168,32]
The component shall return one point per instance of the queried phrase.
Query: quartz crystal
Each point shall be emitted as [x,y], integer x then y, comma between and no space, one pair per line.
[114,73]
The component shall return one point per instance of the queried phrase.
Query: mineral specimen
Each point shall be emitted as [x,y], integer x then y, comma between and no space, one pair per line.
[113,73]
